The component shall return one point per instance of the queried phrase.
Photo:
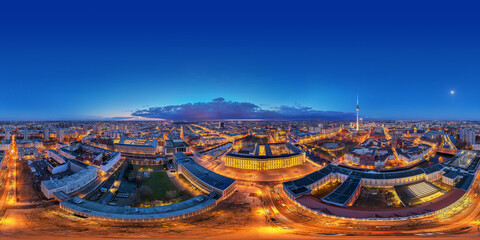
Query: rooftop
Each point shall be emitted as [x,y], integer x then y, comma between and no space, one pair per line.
[342,194]
[175,143]
[137,142]
[211,178]
[107,211]
[270,150]
[56,183]
[464,159]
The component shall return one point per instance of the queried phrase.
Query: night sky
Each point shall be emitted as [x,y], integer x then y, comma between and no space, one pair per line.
[239,59]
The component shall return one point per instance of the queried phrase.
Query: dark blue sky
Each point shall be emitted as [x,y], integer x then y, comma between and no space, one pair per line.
[66,61]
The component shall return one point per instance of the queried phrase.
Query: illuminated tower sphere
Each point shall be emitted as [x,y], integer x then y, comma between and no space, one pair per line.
[357,112]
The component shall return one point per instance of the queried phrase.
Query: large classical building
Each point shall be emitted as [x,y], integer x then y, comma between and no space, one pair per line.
[266,156]
[136,146]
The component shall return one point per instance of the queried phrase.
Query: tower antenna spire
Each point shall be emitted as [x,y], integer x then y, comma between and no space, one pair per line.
[357,128]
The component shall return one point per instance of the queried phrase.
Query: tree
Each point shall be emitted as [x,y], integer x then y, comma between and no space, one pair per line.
[144,190]
[171,194]
[131,176]
[139,178]
[141,193]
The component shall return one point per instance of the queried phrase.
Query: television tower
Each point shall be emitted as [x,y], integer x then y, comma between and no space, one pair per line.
[357,112]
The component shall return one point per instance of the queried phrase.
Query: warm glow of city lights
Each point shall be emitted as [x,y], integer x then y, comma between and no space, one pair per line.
[263,120]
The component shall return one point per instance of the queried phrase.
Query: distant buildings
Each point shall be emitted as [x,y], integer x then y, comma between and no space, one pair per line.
[116,133]
[318,129]
[27,153]
[208,141]
[38,143]
[2,157]
[46,134]
[468,136]
[174,146]
[303,137]
[476,146]
[97,129]
[369,156]
[414,154]
[7,133]
[5,145]
[103,159]
[60,135]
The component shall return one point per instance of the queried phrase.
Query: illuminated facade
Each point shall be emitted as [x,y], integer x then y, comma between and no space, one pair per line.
[264,159]
[460,177]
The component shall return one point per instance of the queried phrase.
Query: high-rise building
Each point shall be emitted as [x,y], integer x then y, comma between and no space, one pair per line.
[7,133]
[221,124]
[60,135]
[468,136]
[46,134]
[318,129]
[97,129]
[25,134]
[181,132]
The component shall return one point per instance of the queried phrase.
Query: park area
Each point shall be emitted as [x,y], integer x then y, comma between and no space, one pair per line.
[154,187]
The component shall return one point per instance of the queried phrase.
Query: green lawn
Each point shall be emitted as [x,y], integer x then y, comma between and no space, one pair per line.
[145,167]
[160,183]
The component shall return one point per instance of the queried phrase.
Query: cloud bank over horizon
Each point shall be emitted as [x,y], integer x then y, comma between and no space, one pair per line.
[219,109]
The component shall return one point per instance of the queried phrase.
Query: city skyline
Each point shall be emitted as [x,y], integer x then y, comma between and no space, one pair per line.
[405,63]
[239,120]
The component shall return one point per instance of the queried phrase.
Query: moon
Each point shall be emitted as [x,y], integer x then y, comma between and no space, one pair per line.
[452,92]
